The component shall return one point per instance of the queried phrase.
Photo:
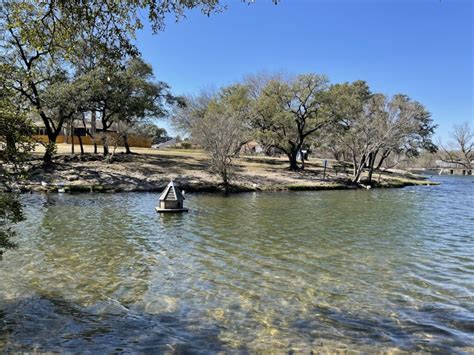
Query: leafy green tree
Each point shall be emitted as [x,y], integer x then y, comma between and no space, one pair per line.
[126,95]
[15,146]
[26,62]
[11,212]
[42,38]
[15,139]
[152,131]
[369,127]
[345,104]
[288,112]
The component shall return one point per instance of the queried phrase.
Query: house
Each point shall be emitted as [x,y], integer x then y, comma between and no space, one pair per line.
[65,135]
[171,200]
[40,134]
[81,133]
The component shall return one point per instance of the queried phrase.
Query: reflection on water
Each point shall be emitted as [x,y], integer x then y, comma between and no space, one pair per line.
[363,270]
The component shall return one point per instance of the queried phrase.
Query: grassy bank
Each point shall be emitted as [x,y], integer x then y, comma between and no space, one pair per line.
[151,170]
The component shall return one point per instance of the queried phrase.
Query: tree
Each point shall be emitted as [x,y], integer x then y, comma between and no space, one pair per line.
[415,129]
[15,146]
[15,139]
[10,213]
[371,126]
[185,117]
[40,39]
[26,63]
[126,96]
[346,103]
[218,123]
[152,131]
[287,112]
[461,149]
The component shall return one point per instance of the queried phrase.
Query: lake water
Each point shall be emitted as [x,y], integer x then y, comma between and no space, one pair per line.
[376,270]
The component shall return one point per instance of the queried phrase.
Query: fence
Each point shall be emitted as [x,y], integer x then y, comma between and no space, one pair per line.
[44,138]
[133,141]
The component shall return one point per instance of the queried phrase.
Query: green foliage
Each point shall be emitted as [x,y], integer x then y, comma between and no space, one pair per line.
[110,26]
[10,213]
[370,127]
[47,46]
[15,139]
[15,133]
[287,112]
[152,131]
[125,94]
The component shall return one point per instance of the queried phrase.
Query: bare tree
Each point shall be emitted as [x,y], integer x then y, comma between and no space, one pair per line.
[220,134]
[460,149]
[185,117]
[114,140]
[217,122]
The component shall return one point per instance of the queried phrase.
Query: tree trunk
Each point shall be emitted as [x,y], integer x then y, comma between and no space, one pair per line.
[125,143]
[93,129]
[358,168]
[71,134]
[52,137]
[355,167]
[292,157]
[104,144]
[357,175]
[369,176]
[371,164]
[80,144]
[385,155]
[49,151]
[225,181]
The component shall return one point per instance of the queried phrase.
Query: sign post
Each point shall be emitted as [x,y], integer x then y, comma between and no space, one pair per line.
[325,162]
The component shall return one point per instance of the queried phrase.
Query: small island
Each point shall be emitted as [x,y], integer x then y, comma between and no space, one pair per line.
[151,170]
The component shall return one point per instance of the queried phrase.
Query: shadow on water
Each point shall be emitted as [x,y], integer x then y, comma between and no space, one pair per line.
[57,325]
[400,331]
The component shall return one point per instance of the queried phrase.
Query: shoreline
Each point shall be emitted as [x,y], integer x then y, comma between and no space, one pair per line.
[88,187]
[151,171]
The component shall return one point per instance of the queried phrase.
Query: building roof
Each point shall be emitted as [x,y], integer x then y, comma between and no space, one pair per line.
[171,193]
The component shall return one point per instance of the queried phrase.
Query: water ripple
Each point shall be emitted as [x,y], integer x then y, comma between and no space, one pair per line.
[382,270]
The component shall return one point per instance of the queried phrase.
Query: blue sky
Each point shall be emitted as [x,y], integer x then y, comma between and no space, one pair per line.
[422,48]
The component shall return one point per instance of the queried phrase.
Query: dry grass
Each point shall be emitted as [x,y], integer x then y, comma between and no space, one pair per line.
[151,169]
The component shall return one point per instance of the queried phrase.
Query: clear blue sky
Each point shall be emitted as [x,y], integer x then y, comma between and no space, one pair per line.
[422,48]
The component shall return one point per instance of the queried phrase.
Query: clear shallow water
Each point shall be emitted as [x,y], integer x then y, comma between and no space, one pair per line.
[364,270]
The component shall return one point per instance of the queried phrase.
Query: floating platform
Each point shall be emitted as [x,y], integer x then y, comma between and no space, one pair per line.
[172,210]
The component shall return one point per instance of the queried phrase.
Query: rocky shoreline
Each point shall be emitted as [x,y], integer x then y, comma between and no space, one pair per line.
[140,173]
